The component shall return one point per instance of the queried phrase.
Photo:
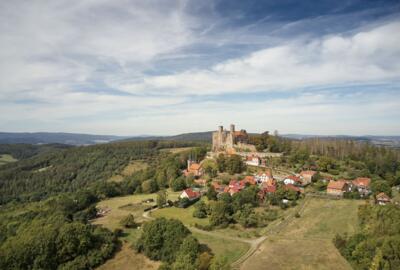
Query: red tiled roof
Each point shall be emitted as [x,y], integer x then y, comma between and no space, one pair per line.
[194,166]
[308,173]
[191,194]
[362,181]
[269,189]
[294,178]
[240,133]
[216,185]
[291,187]
[249,179]
[340,184]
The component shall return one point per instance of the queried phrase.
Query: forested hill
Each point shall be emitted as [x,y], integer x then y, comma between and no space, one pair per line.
[70,169]
[62,138]
[194,136]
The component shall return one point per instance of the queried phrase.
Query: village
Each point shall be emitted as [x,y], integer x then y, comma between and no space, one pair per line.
[234,142]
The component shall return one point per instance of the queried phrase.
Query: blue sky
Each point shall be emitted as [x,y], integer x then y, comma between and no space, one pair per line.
[167,67]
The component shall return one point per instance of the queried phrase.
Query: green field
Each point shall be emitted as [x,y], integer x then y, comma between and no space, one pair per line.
[183,214]
[306,242]
[122,206]
[230,249]
[5,158]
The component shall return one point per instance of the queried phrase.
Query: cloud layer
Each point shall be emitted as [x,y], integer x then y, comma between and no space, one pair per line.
[136,67]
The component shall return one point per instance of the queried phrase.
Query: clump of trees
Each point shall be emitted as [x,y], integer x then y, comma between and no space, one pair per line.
[231,164]
[377,244]
[169,241]
[272,143]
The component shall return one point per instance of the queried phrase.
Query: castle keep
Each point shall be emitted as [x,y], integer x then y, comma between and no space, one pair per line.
[228,141]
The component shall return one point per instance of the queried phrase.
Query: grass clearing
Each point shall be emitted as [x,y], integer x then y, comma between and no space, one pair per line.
[5,158]
[230,249]
[122,206]
[176,150]
[306,242]
[130,169]
[183,214]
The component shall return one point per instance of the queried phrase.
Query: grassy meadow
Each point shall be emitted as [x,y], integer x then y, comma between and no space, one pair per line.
[5,158]
[130,169]
[306,242]
[230,249]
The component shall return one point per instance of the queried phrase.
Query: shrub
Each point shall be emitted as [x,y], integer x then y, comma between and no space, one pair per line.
[128,222]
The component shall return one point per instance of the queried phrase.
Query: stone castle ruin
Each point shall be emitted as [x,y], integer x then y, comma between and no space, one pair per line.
[230,141]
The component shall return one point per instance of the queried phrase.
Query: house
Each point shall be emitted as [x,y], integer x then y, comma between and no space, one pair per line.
[253,160]
[362,184]
[193,168]
[382,198]
[292,180]
[337,188]
[270,182]
[218,187]
[249,179]
[235,186]
[307,176]
[190,194]
[266,190]
[293,188]
[261,177]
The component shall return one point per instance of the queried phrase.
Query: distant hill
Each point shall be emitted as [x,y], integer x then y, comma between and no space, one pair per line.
[195,136]
[89,139]
[392,141]
[62,138]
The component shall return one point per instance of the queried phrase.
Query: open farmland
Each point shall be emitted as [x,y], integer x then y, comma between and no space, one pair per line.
[306,242]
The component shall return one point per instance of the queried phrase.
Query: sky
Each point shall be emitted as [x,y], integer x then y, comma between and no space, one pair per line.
[168,67]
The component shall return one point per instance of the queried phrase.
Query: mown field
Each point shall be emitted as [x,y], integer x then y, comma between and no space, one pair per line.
[306,242]
[230,249]
[183,214]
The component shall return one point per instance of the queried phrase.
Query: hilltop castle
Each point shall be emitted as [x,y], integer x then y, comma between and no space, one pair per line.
[228,141]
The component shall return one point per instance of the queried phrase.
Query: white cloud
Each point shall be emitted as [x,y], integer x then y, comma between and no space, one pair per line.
[62,65]
[363,57]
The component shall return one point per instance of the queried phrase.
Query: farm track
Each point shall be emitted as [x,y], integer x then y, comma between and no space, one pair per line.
[274,230]
[254,243]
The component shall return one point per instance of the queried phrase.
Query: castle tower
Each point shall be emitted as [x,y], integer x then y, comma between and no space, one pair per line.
[232,128]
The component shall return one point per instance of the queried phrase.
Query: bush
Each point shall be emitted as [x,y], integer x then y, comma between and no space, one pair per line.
[200,210]
[128,222]
[161,238]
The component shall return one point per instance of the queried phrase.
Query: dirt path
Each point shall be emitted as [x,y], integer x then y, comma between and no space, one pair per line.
[254,243]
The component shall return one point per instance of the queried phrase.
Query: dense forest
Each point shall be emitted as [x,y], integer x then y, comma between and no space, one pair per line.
[66,169]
